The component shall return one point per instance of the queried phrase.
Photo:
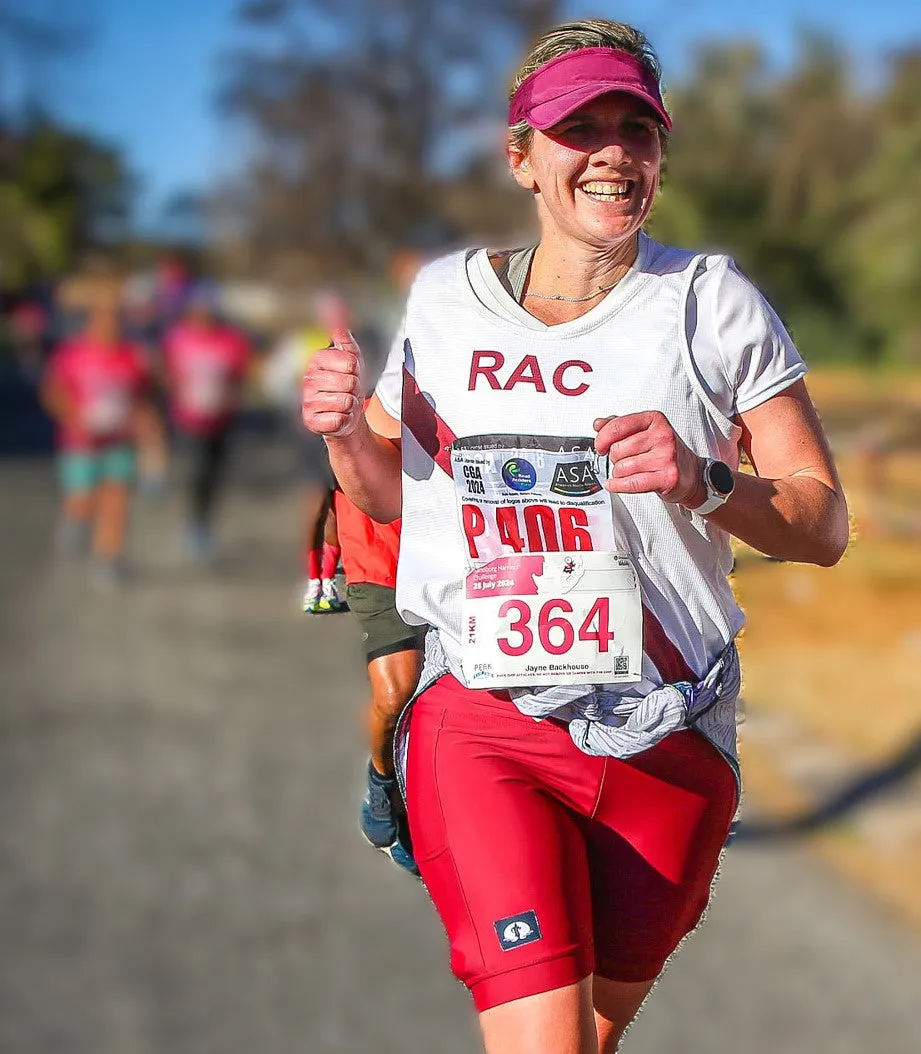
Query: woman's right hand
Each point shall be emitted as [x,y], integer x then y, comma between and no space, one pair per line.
[333,393]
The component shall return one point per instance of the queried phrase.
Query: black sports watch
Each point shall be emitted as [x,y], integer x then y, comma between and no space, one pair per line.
[719,483]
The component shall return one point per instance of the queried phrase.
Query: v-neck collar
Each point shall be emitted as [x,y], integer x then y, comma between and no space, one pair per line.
[491,296]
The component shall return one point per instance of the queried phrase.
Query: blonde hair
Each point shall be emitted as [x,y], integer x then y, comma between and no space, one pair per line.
[573,36]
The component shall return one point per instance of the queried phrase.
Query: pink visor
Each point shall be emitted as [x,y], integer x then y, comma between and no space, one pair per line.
[562,85]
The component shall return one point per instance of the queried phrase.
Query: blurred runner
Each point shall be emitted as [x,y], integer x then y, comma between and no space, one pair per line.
[143,328]
[172,287]
[282,378]
[394,654]
[206,362]
[29,329]
[94,387]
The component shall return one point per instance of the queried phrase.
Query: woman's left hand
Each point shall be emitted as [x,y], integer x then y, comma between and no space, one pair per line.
[647,457]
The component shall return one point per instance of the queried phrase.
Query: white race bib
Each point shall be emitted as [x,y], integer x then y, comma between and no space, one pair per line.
[206,389]
[108,410]
[547,598]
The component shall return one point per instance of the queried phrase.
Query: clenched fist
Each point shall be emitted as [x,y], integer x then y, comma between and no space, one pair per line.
[648,457]
[333,394]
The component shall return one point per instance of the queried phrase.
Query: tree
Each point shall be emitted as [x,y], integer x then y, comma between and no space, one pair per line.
[368,114]
[60,192]
[764,166]
[880,251]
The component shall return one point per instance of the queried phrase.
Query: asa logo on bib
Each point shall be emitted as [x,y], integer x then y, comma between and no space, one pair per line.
[575,479]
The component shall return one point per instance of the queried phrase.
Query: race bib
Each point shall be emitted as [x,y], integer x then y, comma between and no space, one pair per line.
[547,598]
[206,389]
[108,410]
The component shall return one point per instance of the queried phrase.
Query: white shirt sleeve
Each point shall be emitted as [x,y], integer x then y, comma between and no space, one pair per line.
[389,388]
[741,348]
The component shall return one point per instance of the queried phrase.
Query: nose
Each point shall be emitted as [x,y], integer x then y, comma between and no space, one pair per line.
[611,151]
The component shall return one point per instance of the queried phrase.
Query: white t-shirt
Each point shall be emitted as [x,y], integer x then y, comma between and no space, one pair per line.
[684,334]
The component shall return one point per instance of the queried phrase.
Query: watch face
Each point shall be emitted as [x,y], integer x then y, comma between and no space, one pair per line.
[720,476]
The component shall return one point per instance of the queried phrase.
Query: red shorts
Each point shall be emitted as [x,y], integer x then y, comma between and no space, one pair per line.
[546,864]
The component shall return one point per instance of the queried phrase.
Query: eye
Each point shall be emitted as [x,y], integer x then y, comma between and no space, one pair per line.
[639,126]
[575,128]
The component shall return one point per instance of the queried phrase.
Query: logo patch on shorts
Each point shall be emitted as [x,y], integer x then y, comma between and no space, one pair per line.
[517,930]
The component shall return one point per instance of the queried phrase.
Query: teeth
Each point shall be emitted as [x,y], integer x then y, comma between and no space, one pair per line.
[608,190]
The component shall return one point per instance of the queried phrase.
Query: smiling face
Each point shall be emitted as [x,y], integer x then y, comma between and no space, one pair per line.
[595,174]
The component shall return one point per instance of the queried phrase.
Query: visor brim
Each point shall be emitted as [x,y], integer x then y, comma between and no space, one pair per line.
[545,115]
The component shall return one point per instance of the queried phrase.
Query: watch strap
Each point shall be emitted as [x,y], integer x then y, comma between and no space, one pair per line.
[713,502]
[714,498]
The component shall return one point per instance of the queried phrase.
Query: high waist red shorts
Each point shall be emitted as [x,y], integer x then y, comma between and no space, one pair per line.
[546,864]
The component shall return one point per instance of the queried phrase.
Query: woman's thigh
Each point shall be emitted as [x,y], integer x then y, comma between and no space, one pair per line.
[640,915]
[504,862]
[560,1021]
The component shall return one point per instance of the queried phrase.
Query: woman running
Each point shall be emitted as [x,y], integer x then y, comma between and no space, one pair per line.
[560,427]
[96,386]
[206,361]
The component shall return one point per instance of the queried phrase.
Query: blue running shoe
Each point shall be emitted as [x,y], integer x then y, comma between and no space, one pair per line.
[379,824]
[402,854]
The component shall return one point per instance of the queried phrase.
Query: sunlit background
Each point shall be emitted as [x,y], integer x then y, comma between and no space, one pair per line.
[181,760]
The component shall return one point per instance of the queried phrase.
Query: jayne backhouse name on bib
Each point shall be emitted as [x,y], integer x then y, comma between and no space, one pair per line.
[547,598]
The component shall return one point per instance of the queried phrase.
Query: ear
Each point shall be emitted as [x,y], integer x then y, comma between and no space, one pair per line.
[519,166]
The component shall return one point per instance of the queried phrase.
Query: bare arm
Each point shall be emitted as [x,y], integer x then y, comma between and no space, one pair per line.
[367,464]
[57,402]
[364,446]
[793,508]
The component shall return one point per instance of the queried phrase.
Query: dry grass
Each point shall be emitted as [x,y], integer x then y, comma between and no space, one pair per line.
[841,647]
[838,650]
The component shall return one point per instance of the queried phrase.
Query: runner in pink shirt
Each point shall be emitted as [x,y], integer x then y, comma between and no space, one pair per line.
[95,385]
[206,361]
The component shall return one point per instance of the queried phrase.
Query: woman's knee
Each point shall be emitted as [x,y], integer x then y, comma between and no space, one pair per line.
[560,1020]
[616,1004]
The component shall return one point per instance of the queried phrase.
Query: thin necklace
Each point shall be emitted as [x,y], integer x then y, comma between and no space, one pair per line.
[573,299]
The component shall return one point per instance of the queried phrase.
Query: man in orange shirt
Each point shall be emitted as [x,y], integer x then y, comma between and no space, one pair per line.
[394,654]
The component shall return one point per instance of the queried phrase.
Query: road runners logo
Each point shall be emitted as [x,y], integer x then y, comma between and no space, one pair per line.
[519,474]
[517,930]
[575,479]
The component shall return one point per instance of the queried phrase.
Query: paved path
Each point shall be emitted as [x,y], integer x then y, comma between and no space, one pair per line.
[179,866]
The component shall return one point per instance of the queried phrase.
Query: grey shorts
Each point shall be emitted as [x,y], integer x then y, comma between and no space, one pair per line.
[383,631]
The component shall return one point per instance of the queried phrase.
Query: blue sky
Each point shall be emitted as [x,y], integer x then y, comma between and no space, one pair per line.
[147,77]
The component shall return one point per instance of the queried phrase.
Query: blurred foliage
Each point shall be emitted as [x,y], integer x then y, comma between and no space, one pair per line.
[814,186]
[375,124]
[61,192]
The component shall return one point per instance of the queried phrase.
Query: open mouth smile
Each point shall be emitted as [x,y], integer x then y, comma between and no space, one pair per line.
[608,190]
